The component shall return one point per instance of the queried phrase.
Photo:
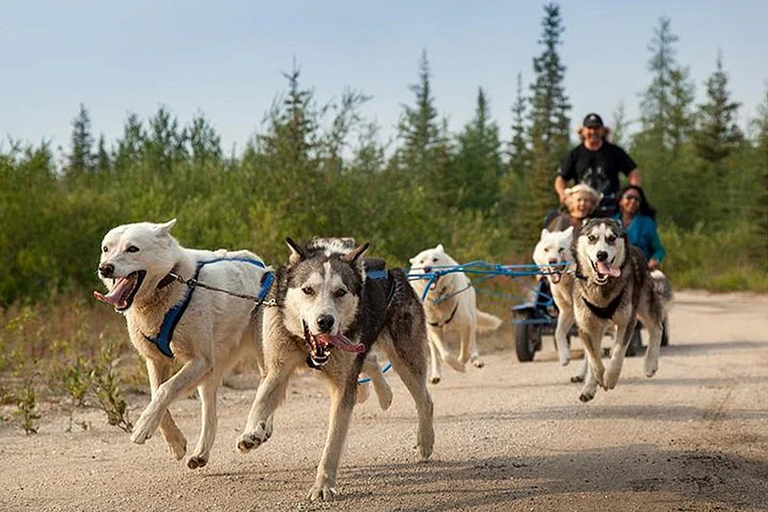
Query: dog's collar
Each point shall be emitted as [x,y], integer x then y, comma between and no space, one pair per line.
[172,317]
[448,320]
[168,279]
[608,311]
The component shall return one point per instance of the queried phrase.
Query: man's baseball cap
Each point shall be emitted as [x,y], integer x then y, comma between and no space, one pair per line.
[593,121]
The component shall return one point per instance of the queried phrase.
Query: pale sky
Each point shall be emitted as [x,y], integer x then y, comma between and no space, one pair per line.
[226,59]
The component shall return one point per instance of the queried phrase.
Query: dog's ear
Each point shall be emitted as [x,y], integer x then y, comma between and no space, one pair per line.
[569,231]
[355,254]
[163,229]
[297,253]
[544,232]
[440,248]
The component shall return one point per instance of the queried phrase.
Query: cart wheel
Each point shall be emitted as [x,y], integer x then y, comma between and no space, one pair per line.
[527,339]
[664,334]
[636,343]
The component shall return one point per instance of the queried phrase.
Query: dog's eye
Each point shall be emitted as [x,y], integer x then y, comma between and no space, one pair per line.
[308,291]
[340,292]
[434,260]
[132,248]
[592,238]
[105,249]
[610,239]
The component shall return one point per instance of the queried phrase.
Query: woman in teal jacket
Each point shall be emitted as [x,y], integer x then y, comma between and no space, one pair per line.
[638,218]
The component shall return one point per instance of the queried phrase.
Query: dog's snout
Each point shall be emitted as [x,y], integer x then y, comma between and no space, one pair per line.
[427,270]
[602,255]
[325,323]
[106,270]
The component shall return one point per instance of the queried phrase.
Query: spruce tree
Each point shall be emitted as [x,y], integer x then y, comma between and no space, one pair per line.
[717,133]
[518,147]
[478,164]
[419,130]
[548,128]
[81,159]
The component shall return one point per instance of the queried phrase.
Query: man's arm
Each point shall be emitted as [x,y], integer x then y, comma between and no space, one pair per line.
[634,178]
[560,188]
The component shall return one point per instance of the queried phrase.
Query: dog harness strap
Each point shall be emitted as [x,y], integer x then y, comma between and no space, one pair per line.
[607,312]
[450,317]
[173,315]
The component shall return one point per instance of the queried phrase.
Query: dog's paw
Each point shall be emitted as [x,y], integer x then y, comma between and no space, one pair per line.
[435,379]
[385,398]
[476,361]
[322,492]
[651,366]
[454,363]
[250,440]
[197,461]
[143,429]
[177,447]
[588,392]
[611,378]
[577,378]
[363,392]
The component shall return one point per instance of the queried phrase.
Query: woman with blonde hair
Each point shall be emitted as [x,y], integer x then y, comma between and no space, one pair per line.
[580,201]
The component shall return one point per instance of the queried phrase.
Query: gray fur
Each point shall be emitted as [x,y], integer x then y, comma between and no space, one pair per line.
[311,286]
[602,299]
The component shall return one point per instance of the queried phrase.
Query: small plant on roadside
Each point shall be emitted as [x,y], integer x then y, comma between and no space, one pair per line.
[27,406]
[76,381]
[105,384]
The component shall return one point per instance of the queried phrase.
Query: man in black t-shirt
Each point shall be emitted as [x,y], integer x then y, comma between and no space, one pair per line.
[597,162]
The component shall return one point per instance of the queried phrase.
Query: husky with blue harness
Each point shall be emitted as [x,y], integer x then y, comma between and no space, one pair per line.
[170,297]
[332,306]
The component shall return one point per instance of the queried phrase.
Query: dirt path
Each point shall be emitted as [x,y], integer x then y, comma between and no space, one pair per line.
[509,436]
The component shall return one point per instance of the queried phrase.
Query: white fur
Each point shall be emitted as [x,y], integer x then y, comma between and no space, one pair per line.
[214,333]
[554,247]
[467,319]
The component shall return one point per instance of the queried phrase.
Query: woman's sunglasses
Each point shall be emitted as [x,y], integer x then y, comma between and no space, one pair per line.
[631,197]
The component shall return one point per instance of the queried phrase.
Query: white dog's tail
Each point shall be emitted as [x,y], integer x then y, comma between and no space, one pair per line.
[486,321]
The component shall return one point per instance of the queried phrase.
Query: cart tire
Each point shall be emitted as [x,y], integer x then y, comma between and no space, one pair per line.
[635,344]
[527,340]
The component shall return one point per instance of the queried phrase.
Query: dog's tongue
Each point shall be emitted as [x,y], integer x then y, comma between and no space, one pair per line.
[342,342]
[116,296]
[606,268]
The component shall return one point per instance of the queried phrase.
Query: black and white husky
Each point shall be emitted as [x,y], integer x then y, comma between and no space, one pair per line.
[614,287]
[329,311]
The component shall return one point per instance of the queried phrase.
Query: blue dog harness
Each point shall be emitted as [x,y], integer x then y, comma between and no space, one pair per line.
[173,315]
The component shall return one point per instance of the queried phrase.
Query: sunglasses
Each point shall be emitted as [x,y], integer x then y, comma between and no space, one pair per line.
[631,197]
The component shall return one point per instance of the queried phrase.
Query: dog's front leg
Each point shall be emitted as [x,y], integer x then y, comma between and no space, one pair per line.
[595,374]
[185,379]
[435,339]
[158,372]
[271,392]
[209,420]
[380,384]
[623,336]
[565,319]
[342,403]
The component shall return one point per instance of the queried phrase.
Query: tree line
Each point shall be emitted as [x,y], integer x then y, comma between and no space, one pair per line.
[321,169]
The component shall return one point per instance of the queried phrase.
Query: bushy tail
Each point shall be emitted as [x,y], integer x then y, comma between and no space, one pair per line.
[662,288]
[487,322]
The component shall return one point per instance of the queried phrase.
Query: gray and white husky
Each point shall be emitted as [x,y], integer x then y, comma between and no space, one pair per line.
[169,322]
[614,287]
[330,310]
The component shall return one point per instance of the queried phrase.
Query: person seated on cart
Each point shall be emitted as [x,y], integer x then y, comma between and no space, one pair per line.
[580,202]
[639,220]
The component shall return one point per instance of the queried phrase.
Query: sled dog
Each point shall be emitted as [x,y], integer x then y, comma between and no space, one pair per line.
[330,309]
[550,253]
[450,306]
[171,322]
[614,286]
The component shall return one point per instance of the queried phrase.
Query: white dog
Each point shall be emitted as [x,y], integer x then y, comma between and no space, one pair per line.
[171,322]
[551,252]
[450,305]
